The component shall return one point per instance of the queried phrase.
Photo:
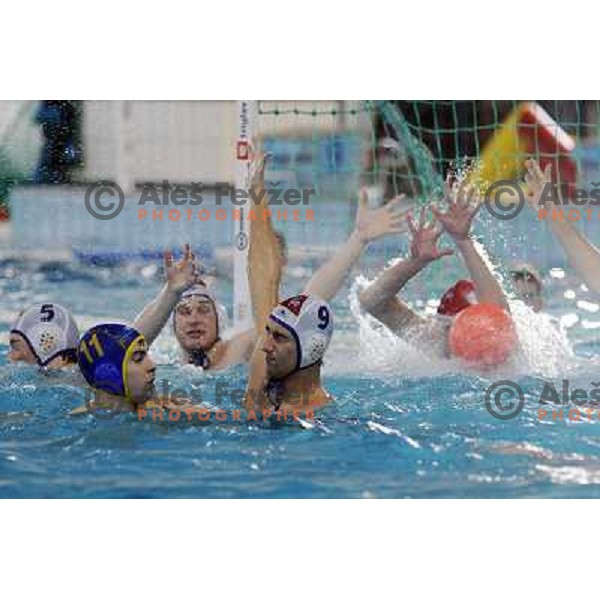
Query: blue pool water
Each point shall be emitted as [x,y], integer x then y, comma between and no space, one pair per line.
[402,425]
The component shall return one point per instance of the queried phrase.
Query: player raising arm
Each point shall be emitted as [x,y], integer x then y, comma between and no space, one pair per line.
[380,298]
[582,254]
[293,335]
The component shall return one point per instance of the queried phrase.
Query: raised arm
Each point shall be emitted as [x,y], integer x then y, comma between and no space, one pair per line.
[264,276]
[462,206]
[380,298]
[180,276]
[264,254]
[370,225]
[583,256]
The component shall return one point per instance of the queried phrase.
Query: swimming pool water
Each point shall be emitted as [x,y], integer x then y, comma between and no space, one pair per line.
[399,427]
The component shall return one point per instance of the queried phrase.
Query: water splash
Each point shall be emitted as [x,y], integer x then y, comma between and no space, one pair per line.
[545,350]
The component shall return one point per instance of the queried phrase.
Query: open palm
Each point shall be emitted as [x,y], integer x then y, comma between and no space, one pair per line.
[462,203]
[183,274]
[536,181]
[372,224]
[425,238]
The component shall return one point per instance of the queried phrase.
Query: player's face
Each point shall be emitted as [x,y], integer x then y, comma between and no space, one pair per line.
[280,351]
[196,323]
[527,289]
[19,350]
[141,373]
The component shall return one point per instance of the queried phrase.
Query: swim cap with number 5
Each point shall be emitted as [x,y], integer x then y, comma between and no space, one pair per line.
[49,329]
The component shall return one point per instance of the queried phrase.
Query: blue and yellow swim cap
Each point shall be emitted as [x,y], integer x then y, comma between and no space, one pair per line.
[103,354]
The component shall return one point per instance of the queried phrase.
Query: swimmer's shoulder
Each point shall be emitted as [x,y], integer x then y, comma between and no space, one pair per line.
[236,350]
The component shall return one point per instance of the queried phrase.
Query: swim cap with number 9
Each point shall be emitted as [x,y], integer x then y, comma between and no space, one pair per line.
[310,321]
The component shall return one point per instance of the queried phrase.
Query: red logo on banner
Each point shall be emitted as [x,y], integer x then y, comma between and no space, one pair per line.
[242,150]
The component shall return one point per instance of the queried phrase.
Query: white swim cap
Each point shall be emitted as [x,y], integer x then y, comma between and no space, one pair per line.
[206,292]
[49,330]
[310,320]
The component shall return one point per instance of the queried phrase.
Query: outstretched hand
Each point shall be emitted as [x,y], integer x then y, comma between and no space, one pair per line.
[462,205]
[424,241]
[373,224]
[183,274]
[536,180]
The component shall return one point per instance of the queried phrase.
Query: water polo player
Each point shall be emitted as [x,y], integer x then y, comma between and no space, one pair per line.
[380,298]
[114,361]
[46,335]
[286,363]
[198,318]
[198,322]
[285,368]
[285,373]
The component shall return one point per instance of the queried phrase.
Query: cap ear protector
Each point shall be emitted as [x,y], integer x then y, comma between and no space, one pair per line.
[310,321]
[460,296]
[103,356]
[49,330]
